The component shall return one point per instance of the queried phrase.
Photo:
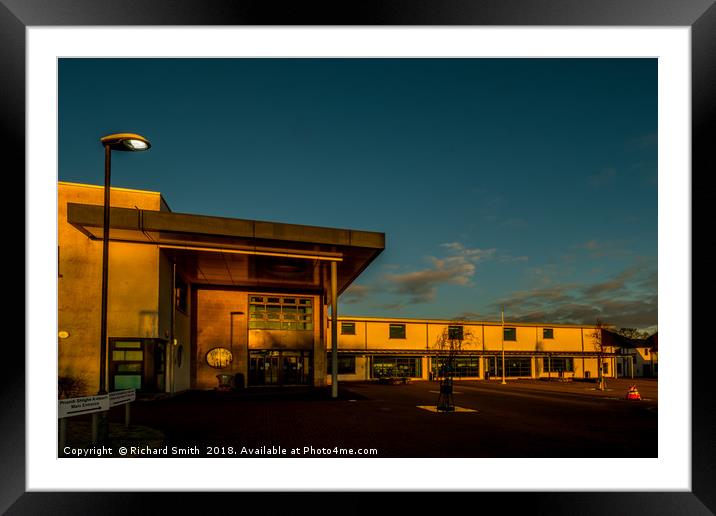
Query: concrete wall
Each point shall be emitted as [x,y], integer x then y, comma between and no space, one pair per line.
[213,329]
[482,337]
[133,290]
[218,324]
[642,357]
[182,334]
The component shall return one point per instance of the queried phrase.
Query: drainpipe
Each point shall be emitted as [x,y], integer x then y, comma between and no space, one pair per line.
[334,330]
[172,329]
[581,332]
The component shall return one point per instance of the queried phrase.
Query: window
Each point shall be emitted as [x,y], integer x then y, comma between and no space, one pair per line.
[455,332]
[348,328]
[396,366]
[547,333]
[397,331]
[463,367]
[181,295]
[127,366]
[510,334]
[280,313]
[605,368]
[346,365]
[557,364]
[514,366]
[646,352]
[219,358]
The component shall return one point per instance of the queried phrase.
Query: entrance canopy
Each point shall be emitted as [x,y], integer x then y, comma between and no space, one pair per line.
[238,252]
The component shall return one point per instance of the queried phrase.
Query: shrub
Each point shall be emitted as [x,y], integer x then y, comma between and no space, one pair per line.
[70,387]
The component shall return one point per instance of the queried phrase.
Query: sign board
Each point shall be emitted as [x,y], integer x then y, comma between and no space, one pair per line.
[122,397]
[78,406]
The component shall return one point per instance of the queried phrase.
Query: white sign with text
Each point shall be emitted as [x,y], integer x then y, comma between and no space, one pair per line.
[122,397]
[85,405]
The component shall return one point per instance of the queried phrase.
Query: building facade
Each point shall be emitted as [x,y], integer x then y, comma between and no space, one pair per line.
[192,297]
[370,348]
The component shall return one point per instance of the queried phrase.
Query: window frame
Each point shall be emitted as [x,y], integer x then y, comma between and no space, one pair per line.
[395,326]
[181,295]
[504,333]
[341,367]
[549,364]
[456,327]
[279,312]
[348,323]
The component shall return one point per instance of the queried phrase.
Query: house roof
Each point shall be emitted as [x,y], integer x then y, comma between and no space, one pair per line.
[612,338]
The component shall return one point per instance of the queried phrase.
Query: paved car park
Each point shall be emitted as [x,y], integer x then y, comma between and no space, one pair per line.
[521,419]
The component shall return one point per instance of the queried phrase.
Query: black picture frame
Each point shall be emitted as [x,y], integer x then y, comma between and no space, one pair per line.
[700,15]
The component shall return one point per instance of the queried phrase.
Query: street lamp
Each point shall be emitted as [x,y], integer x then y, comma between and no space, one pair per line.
[503,345]
[118,142]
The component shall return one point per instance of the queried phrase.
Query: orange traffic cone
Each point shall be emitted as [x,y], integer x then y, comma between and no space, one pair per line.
[633,393]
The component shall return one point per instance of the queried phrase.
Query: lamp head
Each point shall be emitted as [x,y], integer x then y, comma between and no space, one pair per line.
[126,142]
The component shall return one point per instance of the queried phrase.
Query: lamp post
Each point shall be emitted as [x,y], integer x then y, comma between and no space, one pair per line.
[118,142]
[503,346]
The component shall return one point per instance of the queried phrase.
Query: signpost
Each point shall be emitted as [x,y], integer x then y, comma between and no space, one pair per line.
[125,397]
[92,405]
[85,405]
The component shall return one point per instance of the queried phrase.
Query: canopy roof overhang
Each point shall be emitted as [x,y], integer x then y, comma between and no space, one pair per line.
[238,252]
[476,352]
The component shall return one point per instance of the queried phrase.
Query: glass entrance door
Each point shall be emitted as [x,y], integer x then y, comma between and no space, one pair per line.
[268,367]
[263,368]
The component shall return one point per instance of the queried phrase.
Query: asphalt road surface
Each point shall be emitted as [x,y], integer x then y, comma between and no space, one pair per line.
[521,419]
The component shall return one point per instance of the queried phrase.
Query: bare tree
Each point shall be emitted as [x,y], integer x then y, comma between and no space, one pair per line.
[601,349]
[633,333]
[449,345]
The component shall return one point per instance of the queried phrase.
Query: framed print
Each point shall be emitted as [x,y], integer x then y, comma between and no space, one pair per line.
[225,305]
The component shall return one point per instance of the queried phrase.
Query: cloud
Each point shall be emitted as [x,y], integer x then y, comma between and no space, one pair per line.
[604,177]
[470,254]
[421,285]
[356,294]
[468,316]
[628,299]
[604,248]
[644,141]
[506,258]
[457,268]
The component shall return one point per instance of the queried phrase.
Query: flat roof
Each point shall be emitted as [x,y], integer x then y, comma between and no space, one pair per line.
[240,252]
[409,320]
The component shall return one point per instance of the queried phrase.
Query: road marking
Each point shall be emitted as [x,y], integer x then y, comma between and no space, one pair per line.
[547,395]
[434,408]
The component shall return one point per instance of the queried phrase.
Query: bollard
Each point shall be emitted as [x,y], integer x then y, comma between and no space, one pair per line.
[95,427]
[63,436]
[126,414]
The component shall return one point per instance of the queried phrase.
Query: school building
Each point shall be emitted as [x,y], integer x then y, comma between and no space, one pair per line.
[370,347]
[191,297]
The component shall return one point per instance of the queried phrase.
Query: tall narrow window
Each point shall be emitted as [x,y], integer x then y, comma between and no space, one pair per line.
[181,294]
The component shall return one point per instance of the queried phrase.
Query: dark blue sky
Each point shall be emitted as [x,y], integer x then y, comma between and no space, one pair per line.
[528,183]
